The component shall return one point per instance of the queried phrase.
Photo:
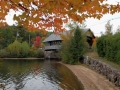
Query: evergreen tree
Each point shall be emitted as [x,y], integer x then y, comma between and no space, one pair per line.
[73,46]
[76,47]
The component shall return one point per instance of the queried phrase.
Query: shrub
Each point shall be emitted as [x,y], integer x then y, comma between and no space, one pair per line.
[65,51]
[33,52]
[108,47]
[4,53]
[39,54]
[24,49]
[101,46]
[17,49]
[117,58]
[14,49]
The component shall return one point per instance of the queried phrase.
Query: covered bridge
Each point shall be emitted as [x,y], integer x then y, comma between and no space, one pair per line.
[53,42]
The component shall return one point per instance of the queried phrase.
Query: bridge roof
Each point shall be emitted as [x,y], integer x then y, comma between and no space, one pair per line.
[53,37]
[56,37]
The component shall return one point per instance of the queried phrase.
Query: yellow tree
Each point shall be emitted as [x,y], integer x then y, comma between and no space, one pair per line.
[49,14]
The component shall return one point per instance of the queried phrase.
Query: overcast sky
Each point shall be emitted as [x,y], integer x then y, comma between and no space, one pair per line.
[97,26]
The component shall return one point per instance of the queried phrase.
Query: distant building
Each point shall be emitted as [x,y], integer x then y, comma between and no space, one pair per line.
[53,42]
[52,45]
[90,37]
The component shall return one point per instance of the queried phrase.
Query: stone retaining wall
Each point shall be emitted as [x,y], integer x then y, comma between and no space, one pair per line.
[51,55]
[111,74]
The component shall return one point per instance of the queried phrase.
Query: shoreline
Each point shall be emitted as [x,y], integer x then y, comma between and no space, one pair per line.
[22,58]
[90,79]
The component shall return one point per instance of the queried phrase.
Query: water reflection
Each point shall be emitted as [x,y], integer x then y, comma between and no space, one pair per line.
[37,75]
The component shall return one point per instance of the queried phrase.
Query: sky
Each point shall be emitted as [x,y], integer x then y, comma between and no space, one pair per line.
[97,26]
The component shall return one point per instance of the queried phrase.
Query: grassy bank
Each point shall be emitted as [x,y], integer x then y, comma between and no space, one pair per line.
[95,55]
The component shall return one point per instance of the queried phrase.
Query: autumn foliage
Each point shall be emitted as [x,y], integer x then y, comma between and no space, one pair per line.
[95,39]
[37,42]
[49,14]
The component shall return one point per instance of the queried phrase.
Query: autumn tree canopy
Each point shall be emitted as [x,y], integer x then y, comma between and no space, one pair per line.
[49,14]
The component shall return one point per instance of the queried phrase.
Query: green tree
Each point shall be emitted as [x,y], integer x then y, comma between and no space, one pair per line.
[65,54]
[76,47]
[17,49]
[7,36]
[108,46]
[24,49]
[21,33]
[73,46]
[14,49]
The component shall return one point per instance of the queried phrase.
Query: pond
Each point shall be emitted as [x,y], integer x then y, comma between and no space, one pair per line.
[37,75]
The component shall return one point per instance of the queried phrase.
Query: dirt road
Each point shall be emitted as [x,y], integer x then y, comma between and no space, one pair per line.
[91,79]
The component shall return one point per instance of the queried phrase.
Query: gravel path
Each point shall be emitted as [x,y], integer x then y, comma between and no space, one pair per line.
[91,79]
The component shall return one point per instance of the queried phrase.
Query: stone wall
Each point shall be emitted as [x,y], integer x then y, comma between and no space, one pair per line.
[51,55]
[111,74]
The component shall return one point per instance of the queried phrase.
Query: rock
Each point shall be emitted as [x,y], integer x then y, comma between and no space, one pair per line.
[111,73]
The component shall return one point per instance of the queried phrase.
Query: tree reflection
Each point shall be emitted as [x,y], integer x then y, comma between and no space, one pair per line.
[29,75]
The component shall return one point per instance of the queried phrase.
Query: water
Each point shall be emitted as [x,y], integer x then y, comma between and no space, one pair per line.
[37,75]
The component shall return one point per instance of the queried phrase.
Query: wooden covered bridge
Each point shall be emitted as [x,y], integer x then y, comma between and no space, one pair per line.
[53,43]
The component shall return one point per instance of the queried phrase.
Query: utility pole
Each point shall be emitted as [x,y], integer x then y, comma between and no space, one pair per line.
[17,34]
[29,39]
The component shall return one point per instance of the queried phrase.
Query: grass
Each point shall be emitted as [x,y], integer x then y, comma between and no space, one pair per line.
[96,56]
